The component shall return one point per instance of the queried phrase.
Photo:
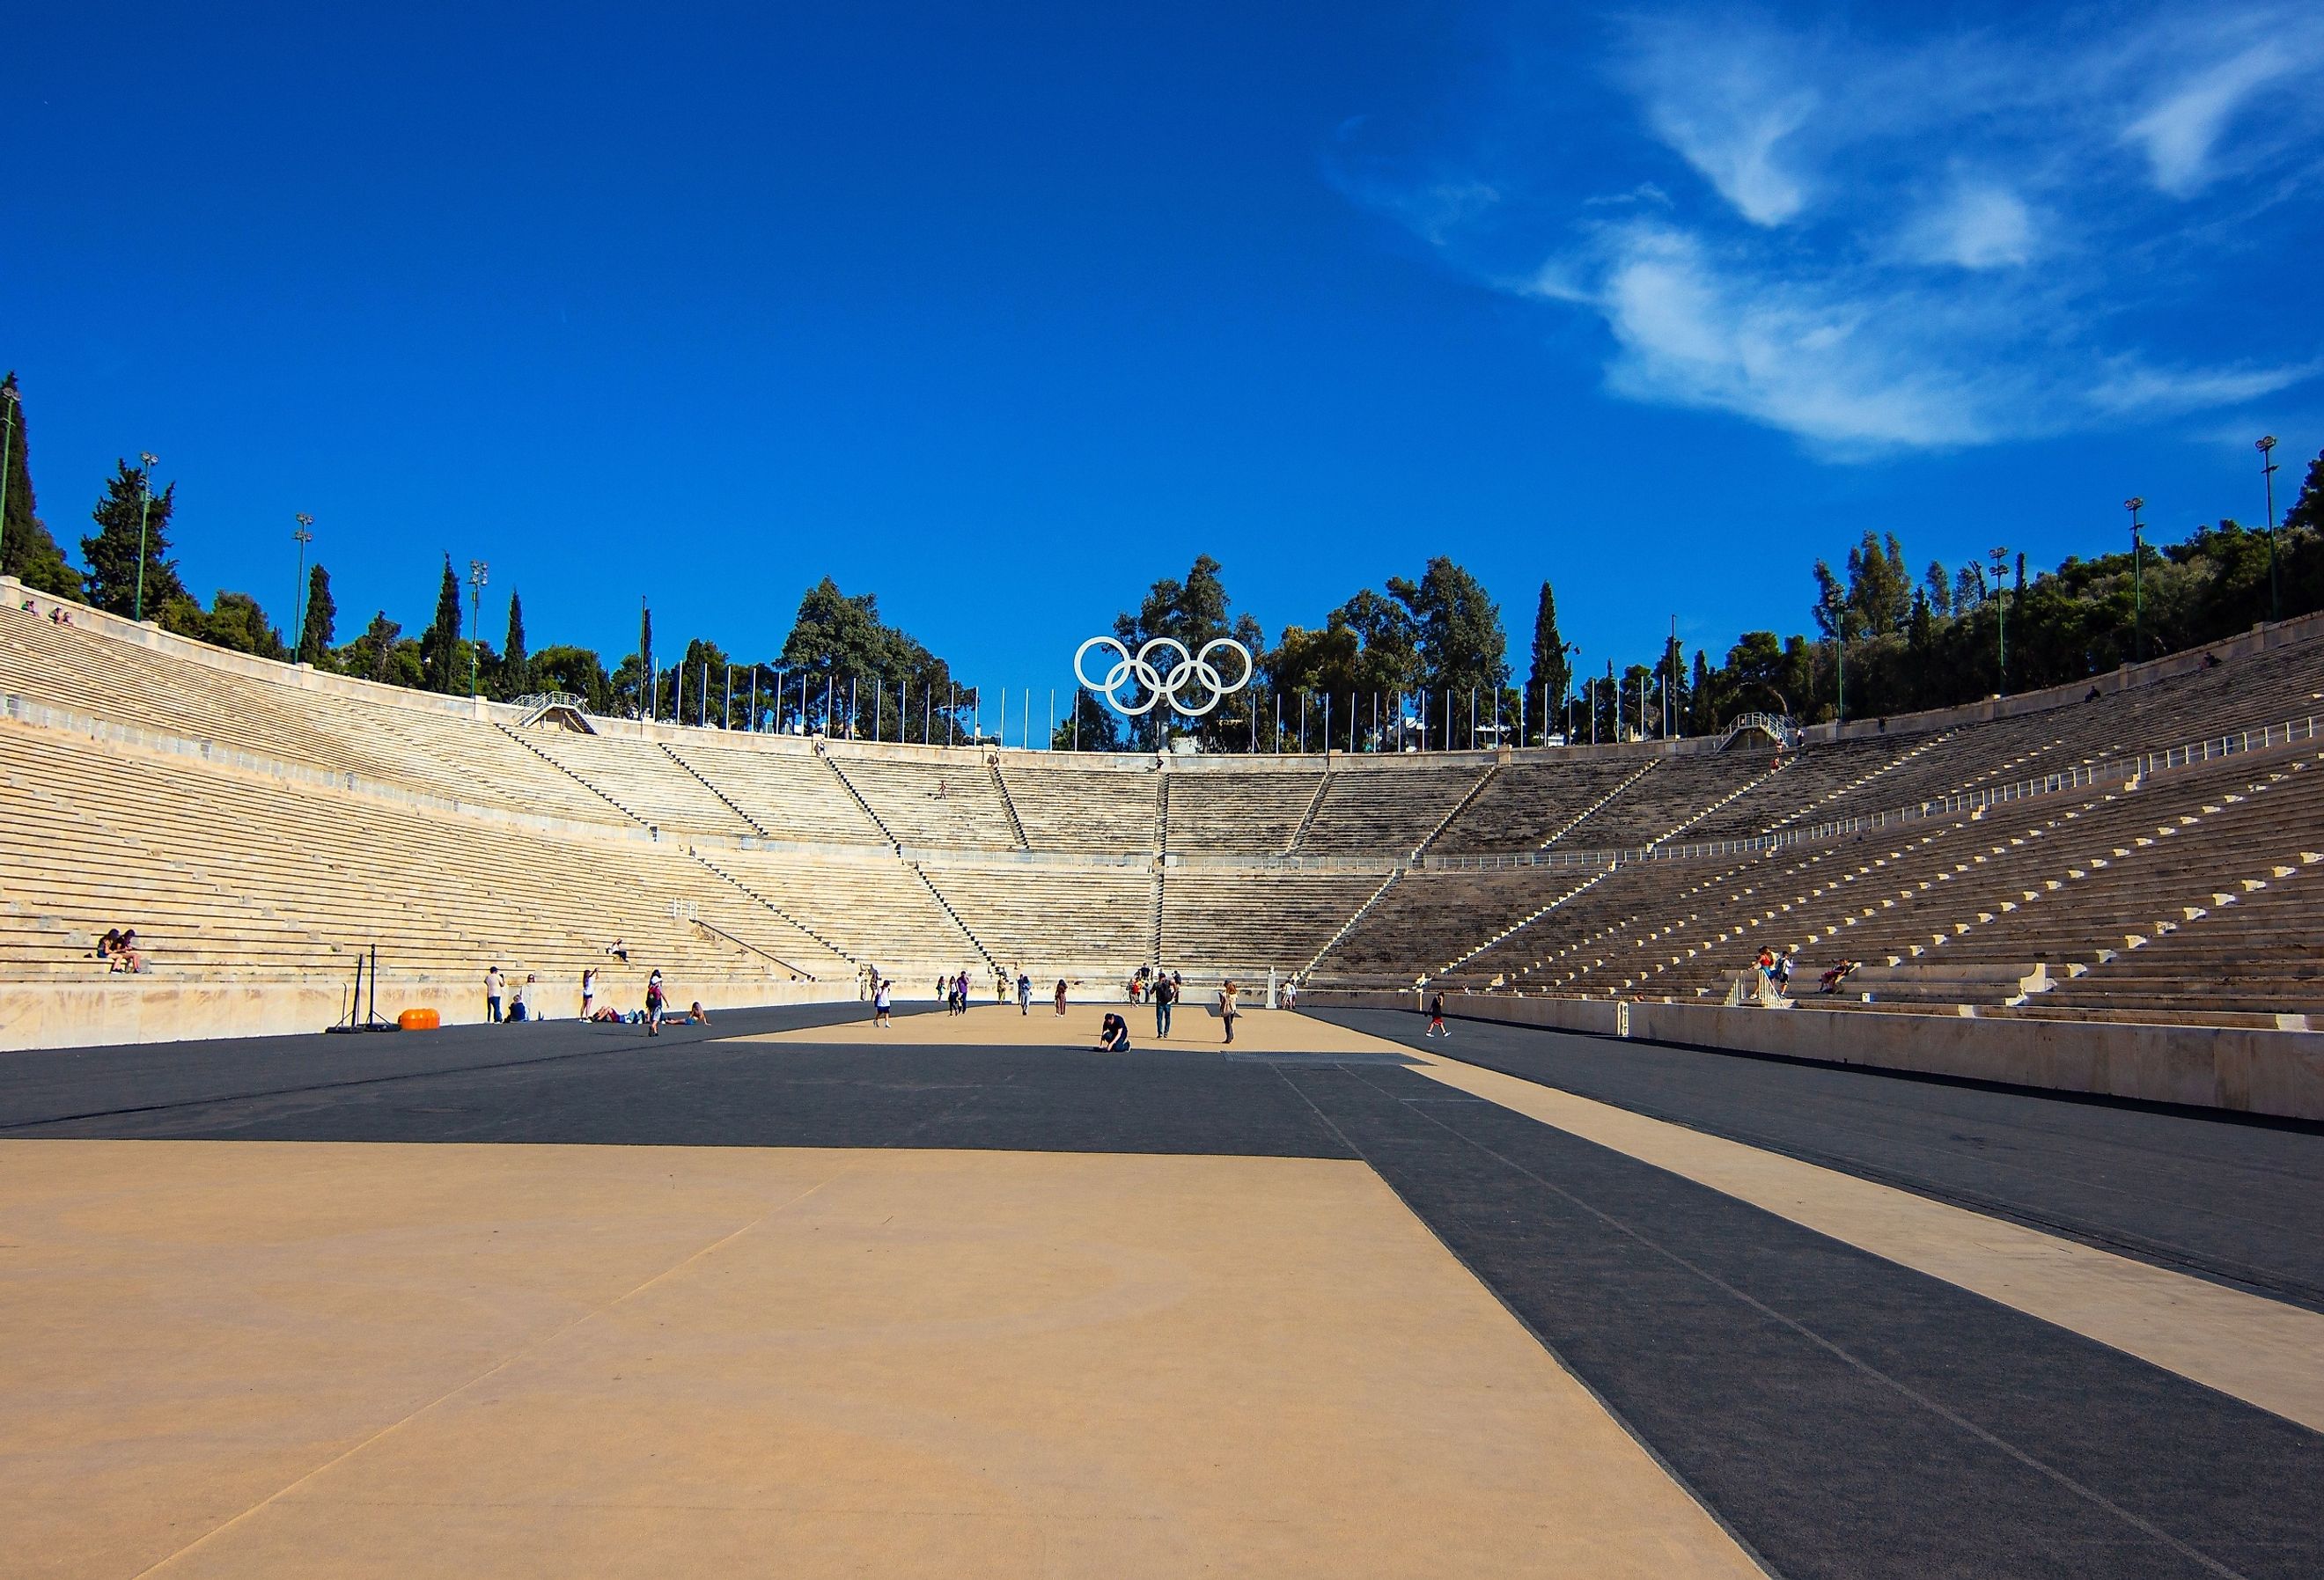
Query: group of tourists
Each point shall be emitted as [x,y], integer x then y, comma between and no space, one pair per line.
[502,1007]
[1775,970]
[118,949]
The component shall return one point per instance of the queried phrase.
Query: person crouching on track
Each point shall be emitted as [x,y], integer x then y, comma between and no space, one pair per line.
[1113,1036]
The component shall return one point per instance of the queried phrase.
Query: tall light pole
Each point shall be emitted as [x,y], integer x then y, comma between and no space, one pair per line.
[2137,579]
[8,405]
[2266,445]
[2000,558]
[144,506]
[476,619]
[303,537]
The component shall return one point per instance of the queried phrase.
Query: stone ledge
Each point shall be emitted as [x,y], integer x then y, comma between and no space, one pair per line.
[2239,1069]
[34,1015]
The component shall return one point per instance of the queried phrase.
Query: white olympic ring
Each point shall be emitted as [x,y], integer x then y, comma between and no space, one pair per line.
[1156,684]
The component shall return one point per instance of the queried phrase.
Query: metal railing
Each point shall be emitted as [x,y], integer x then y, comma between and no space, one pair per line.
[2119,771]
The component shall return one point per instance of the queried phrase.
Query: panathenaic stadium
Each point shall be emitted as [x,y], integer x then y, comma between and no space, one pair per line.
[1988,1245]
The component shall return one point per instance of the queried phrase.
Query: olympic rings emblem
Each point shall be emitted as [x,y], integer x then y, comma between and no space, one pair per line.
[1153,684]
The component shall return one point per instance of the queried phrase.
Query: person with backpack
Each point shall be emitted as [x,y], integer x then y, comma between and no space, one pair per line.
[883,998]
[1024,992]
[654,1003]
[1437,1026]
[1166,997]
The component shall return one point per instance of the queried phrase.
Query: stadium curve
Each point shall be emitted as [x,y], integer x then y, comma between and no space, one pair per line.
[962,1295]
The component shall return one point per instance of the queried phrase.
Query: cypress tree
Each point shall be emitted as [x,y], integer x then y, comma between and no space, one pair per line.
[111,552]
[1550,669]
[439,649]
[514,679]
[646,678]
[315,637]
[27,551]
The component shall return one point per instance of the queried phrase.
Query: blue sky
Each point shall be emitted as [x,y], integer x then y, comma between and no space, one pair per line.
[1002,317]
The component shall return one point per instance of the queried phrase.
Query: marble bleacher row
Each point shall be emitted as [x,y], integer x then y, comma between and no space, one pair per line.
[460,838]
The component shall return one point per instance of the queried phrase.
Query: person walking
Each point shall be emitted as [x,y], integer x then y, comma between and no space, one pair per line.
[1436,1027]
[1788,962]
[1061,997]
[493,983]
[1164,997]
[588,990]
[1228,1010]
[883,998]
[654,1002]
[1024,993]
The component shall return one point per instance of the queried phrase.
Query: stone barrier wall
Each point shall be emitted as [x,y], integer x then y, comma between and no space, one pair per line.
[2245,1071]
[115,1010]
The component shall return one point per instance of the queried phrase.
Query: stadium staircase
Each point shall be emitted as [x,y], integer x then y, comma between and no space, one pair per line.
[574,777]
[1856,786]
[1161,838]
[760,899]
[1349,925]
[1308,818]
[856,796]
[1459,807]
[992,960]
[1745,789]
[1507,933]
[695,774]
[1009,804]
[1161,877]
[1601,804]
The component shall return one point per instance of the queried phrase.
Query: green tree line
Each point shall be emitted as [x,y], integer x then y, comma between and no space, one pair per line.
[1419,660]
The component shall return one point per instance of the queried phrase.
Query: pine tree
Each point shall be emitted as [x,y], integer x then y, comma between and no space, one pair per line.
[315,636]
[439,647]
[515,676]
[1547,681]
[111,553]
[27,551]
[371,655]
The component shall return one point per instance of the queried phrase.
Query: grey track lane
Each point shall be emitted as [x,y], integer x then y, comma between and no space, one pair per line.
[1847,1417]
[2236,1202]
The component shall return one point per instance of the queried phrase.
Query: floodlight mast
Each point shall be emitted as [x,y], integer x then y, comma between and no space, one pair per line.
[9,404]
[2265,445]
[303,537]
[475,618]
[144,508]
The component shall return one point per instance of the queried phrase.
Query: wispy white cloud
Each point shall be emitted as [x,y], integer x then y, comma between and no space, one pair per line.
[1848,371]
[1974,225]
[1728,112]
[2131,386]
[1884,243]
[2179,133]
